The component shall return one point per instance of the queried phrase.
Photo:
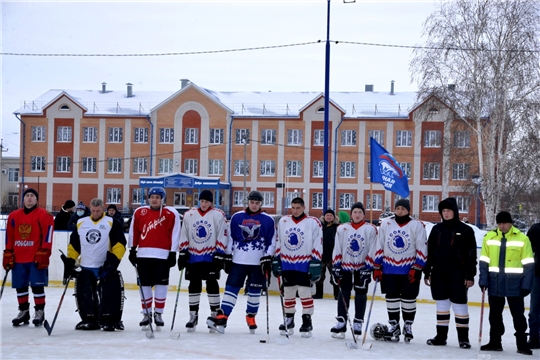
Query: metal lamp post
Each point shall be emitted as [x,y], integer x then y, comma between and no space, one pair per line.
[477,180]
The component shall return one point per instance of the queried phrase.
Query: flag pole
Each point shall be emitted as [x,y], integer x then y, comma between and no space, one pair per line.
[371,200]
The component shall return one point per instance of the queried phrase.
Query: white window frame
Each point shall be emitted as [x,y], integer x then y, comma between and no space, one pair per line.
[191,166]
[317,200]
[268,168]
[216,136]
[268,199]
[346,200]
[318,138]
[140,135]
[378,135]
[430,203]
[180,198]
[89,134]
[166,166]
[433,171]
[294,168]
[403,138]
[347,169]
[114,196]
[114,166]
[432,139]
[377,202]
[37,163]
[191,136]
[348,137]
[138,196]
[462,139]
[116,134]
[294,137]
[166,135]
[39,134]
[460,171]
[13,199]
[64,134]
[240,134]
[215,167]
[140,165]
[318,169]
[463,203]
[88,165]
[239,168]
[407,168]
[238,198]
[13,174]
[268,136]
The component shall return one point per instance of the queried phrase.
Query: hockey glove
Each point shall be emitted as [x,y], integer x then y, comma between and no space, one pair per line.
[217,262]
[110,264]
[227,263]
[336,274]
[415,274]
[171,260]
[9,259]
[133,256]
[183,260]
[377,273]
[314,270]
[42,258]
[525,292]
[69,268]
[266,264]
[363,280]
[276,267]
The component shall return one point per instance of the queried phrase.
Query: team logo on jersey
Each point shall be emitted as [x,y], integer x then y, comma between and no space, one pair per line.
[356,245]
[93,236]
[294,238]
[143,212]
[202,231]
[24,231]
[250,229]
[398,241]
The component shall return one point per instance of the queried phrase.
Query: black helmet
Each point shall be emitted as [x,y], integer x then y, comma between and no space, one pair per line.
[255,195]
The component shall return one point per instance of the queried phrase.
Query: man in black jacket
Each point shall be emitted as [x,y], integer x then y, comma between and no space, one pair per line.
[534,314]
[330,224]
[61,220]
[450,271]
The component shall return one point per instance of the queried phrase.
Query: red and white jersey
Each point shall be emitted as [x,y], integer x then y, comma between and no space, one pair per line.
[155,232]
[355,246]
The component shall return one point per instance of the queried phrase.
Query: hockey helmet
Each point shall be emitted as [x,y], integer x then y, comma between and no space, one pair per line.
[255,195]
[378,330]
[158,191]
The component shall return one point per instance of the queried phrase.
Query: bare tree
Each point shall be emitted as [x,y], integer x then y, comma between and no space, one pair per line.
[489,51]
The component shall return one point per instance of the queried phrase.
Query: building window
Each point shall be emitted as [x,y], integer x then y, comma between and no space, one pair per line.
[166,135]
[64,107]
[38,134]
[13,174]
[346,201]
[318,138]
[238,198]
[115,135]
[399,197]
[215,167]
[137,196]
[347,169]
[294,137]
[403,138]
[90,134]
[114,166]
[376,204]
[406,167]
[140,165]
[430,203]
[241,135]
[294,168]
[317,200]
[216,136]
[191,166]
[114,196]
[268,168]
[13,199]
[368,174]
[378,135]
[289,198]
[318,168]
[348,138]
[463,203]
[268,136]
[460,171]
[88,165]
[239,167]
[432,138]
[37,163]
[192,136]
[268,199]
[63,164]
[432,171]
[462,139]
[63,134]
[141,135]
[165,166]
[180,199]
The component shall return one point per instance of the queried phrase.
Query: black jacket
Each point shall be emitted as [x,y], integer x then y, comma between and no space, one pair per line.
[329,238]
[534,237]
[61,220]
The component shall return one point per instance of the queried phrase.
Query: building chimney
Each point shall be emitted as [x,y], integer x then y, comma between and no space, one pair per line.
[392,87]
[369,88]
[129,90]
[184,82]
[103,87]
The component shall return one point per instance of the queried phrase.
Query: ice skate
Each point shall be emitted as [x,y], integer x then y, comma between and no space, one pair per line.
[407,331]
[289,330]
[39,318]
[145,322]
[393,332]
[339,330]
[306,328]
[440,338]
[357,327]
[218,322]
[158,320]
[119,325]
[108,327]
[22,318]
[250,319]
[492,346]
[210,330]
[191,325]
[87,326]
[463,337]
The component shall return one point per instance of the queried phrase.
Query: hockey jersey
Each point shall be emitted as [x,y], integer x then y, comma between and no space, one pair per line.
[203,234]
[298,242]
[401,246]
[93,239]
[155,231]
[251,236]
[28,232]
[355,246]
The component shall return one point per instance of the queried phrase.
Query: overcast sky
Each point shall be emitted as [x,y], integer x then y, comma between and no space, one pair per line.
[133,27]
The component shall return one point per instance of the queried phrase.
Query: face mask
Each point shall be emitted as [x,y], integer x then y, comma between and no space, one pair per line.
[80,212]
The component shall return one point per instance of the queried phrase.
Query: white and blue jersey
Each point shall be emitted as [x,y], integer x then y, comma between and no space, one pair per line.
[355,246]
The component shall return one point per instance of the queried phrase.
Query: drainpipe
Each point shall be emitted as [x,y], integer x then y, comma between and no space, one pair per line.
[229,167]
[151,141]
[23,156]
[334,192]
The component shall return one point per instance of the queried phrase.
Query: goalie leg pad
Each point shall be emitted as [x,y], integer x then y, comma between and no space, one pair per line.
[86,296]
[111,294]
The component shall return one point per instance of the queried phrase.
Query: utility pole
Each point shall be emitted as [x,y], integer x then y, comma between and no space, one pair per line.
[245,169]
[3,150]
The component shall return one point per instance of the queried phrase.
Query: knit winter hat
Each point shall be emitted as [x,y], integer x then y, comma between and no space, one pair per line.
[504,217]
[206,195]
[358,205]
[80,205]
[30,190]
[405,203]
[330,211]
[112,206]
[69,204]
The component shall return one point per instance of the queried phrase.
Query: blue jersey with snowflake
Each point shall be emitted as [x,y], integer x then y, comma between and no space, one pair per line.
[251,236]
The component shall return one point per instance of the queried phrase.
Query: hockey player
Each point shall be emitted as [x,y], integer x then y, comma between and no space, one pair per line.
[29,234]
[100,243]
[203,241]
[154,240]
[298,260]
[251,243]
[398,263]
[450,271]
[353,252]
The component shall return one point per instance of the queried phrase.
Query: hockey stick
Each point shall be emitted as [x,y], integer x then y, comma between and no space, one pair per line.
[46,325]
[283,309]
[350,345]
[4,283]
[176,335]
[364,345]
[481,356]
[267,312]
[149,334]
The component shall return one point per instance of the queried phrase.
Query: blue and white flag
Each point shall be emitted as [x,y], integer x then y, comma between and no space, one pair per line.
[386,170]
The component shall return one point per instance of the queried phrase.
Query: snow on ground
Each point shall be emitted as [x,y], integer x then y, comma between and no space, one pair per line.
[28,342]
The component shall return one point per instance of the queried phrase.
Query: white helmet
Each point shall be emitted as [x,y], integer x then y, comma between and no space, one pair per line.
[378,330]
